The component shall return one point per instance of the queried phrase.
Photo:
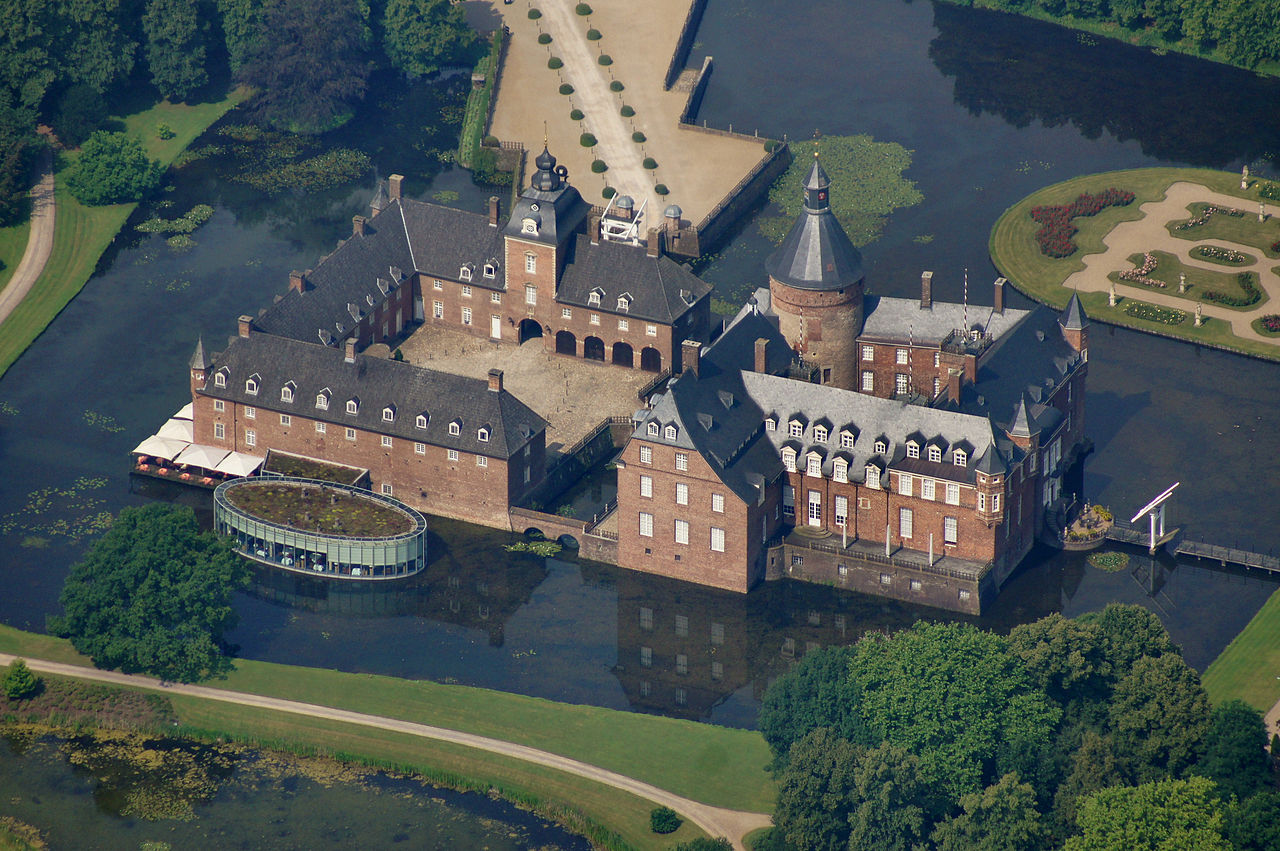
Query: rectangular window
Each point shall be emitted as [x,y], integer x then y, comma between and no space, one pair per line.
[982,501]
[717,503]
[286,420]
[386,441]
[351,434]
[682,625]
[886,579]
[901,383]
[905,522]
[868,381]
[530,294]
[682,493]
[900,356]
[595,319]
[788,499]
[453,455]
[963,593]
[646,657]
[437,309]
[937,358]
[566,313]
[482,461]
[916,584]
[646,617]
[717,633]
[717,671]
[868,352]
[995,502]
[420,449]
[437,285]
[682,663]
[250,413]
[496,298]
[682,531]
[651,330]
[646,455]
[320,428]
[926,489]
[953,494]
[219,431]
[950,530]
[387,489]
[466,316]
[682,461]
[646,486]
[530,263]
[624,325]
[717,545]
[466,291]
[842,511]
[219,405]
[250,437]
[682,697]
[905,485]
[646,524]
[815,508]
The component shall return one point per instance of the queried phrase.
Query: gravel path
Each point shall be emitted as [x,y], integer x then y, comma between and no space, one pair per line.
[1149,234]
[39,243]
[714,820]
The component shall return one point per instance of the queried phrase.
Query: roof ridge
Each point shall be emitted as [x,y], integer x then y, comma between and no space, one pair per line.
[407,239]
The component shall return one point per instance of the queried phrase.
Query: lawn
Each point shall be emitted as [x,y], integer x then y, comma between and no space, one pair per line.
[1241,230]
[1249,669]
[311,508]
[82,234]
[13,242]
[1199,281]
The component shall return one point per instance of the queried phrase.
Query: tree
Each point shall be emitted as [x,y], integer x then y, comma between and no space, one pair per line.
[81,110]
[87,44]
[113,169]
[1160,714]
[1093,767]
[1128,633]
[422,35]
[1002,817]
[1064,656]
[813,694]
[175,47]
[242,29]
[1254,825]
[893,805]
[313,69]
[153,595]
[1185,815]
[815,792]
[1235,750]
[20,682]
[18,148]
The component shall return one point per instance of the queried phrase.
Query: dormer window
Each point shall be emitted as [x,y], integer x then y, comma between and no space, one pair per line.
[286,392]
[220,378]
[770,424]
[913,449]
[846,440]
[820,434]
[529,225]
[935,454]
[670,432]
[388,414]
[873,477]
[593,298]
[490,270]
[455,428]
[881,447]
[353,406]
[322,400]
[421,421]
[795,428]
[814,467]
[960,458]
[251,385]
[789,459]
[840,470]
[624,304]
[465,273]
[654,428]
[482,434]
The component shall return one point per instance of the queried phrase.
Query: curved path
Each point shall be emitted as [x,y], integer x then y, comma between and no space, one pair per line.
[1150,233]
[714,820]
[39,242]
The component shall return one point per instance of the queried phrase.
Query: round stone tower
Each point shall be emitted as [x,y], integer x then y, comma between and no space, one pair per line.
[815,279]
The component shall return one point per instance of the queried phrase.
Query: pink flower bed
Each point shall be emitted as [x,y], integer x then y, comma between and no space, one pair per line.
[1054,236]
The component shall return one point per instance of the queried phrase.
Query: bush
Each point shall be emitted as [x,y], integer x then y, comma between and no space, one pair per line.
[544,38]
[650,163]
[164,131]
[627,111]
[599,167]
[586,140]
[593,34]
[576,114]
[582,9]
[490,141]
[664,820]
[1151,313]
[81,110]
[1248,284]
[637,136]
[608,192]
[555,63]
[566,89]
[771,146]
[113,169]
[605,59]
[20,683]
[1271,325]
[534,14]
[661,189]
[616,86]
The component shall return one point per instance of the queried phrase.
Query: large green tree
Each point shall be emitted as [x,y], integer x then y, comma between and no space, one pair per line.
[175,47]
[421,35]
[1159,715]
[893,805]
[1254,825]
[313,69]
[1235,750]
[18,148]
[153,595]
[1002,817]
[243,28]
[815,693]
[113,169]
[816,790]
[1170,815]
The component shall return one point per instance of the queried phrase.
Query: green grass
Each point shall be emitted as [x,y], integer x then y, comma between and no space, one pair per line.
[1249,667]
[477,111]
[13,242]
[1169,268]
[81,234]
[1241,230]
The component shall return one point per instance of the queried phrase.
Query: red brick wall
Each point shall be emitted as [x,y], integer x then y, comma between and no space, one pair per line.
[885,367]
[823,327]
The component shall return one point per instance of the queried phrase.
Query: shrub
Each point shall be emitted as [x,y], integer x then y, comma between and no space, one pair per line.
[1163,315]
[576,114]
[1054,236]
[1270,324]
[650,163]
[771,146]
[593,34]
[586,140]
[609,192]
[566,89]
[164,131]
[616,86]
[1248,284]
[113,169]
[490,141]
[664,820]
[627,111]
[1270,190]
[599,167]
[661,189]
[582,9]
[398,355]
[544,38]
[637,136]
[534,14]
[565,511]
[20,683]
[81,110]
[555,63]
[605,59]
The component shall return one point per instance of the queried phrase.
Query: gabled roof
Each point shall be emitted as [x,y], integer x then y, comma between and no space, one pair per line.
[661,290]
[903,318]
[377,383]
[444,239]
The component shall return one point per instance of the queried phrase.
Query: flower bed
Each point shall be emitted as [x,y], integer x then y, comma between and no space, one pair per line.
[1054,236]
[1209,211]
[1248,284]
[1221,255]
[1269,324]
[1140,274]
[1151,313]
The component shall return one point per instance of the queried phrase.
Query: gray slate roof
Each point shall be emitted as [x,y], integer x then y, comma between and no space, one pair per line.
[817,253]
[551,202]
[376,383]
[443,239]
[899,318]
[659,289]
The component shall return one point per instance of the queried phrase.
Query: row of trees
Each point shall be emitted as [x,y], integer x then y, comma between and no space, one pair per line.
[1243,32]
[1090,733]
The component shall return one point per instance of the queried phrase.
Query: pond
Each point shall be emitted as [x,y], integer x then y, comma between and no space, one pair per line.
[993,107]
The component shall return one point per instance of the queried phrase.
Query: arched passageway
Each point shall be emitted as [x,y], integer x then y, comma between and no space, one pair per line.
[529,328]
[623,355]
[650,359]
[593,348]
[566,343]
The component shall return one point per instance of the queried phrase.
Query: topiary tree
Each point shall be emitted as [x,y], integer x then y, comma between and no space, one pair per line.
[566,89]
[490,141]
[582,9]
[599,167]
[20,682]
[544,38]
[605,59]
[113,169]
[664,820]
[593,34]
[534,14]
[616,86]
[555,63]
[627,111]
[650,163]
[661,189]
[637,136]
[587,140]
[576,114]
[608,192]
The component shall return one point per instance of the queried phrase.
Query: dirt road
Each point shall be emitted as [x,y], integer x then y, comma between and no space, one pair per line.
[39,242]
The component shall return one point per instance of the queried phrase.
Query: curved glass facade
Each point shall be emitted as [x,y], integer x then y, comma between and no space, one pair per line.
[315,553]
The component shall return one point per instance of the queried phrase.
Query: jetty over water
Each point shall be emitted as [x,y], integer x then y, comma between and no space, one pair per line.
[1175,544]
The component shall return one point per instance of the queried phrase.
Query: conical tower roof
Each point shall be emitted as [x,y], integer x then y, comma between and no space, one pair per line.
[817,253]
[199,360]
[1073,317]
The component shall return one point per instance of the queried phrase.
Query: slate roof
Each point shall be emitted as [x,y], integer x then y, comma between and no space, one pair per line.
[899,318]
[659,288]
[1073,318]
[817,253]
[444,239]
[551,202]
[376,383]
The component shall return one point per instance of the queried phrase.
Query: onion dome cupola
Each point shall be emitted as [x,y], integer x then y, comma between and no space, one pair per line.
[550,210]
[817,253]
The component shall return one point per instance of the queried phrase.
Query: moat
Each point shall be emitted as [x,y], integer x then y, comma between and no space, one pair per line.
[978,98]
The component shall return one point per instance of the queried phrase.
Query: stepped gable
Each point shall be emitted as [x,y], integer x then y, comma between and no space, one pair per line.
[377,384]
[657,288]
[899,318]
[443,239]
[348,276]
[817,253]
[554,208]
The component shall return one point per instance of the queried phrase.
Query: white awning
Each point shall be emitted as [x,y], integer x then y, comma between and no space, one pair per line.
[206,457]
[178,430]
[165,448]
[239,464]
[187,412]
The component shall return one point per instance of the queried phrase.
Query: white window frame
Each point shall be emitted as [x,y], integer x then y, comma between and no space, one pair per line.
[437,309]
[482,460]
[250,437]
[846,440]
[788,459]
[813,465]
[950,531]
[651,330]
[250,412]
[682,493]
[388,415]
[906,484]
[566,313]
[913,449]
[795,428]
[419,449]
[351,435]
[482,435]
[840,470]
[953,493]
[717,546]
[868,352]
[387,489]
[868,381]
[646,454]
[670,432]
[682,461]
[251,386]
[820,434]
[842,510]
[717,503]
[219,405]
[682,531]
[452,455]
[421,421]
[646,487]
[386,441]
[530,294]
[927,489]
[455,428]
[321,428]
[646,524]
[935,454]
[900,357]
[353,407]
[906,523]
[219,379]
[495,297]
[624,325]
[219,431]
[286,420]
[530,262]
[960,458]
[466,316]
[873,477]
[286,393]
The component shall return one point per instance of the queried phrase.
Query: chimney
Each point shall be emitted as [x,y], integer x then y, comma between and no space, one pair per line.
[593,227]
[357,225]
[495,380]
[298,280]
[393,186]
[691,356]
[655,243]
[493,211]
[926,290]
[349,350]
[999,295]
[244,324]
[954,380]
[762,349]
